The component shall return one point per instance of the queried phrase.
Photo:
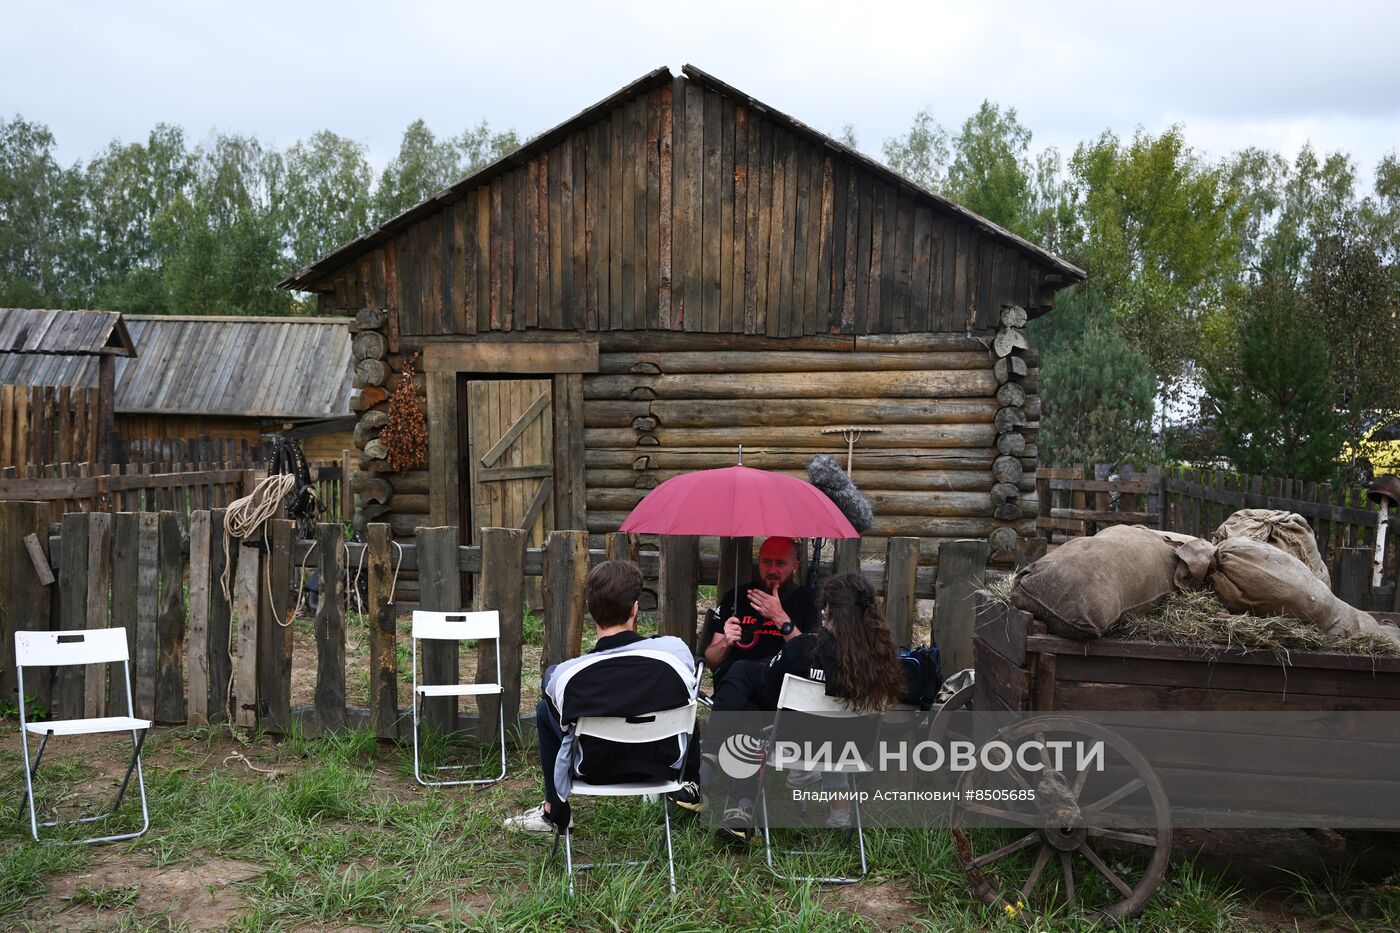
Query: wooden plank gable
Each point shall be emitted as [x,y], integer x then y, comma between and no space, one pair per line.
[689,207]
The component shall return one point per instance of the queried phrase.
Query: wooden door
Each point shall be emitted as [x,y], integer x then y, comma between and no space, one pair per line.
[510,446]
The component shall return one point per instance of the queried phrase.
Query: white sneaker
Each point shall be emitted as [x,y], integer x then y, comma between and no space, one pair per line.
[531,821]
[839,819]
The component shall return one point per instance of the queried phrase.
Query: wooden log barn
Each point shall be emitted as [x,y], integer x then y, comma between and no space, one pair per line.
[675,271]
[168,380]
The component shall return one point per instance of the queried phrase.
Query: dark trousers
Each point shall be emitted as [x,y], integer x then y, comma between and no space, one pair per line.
[744,688]
[550,738]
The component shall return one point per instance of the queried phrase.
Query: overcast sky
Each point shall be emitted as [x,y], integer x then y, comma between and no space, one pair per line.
[1265,74]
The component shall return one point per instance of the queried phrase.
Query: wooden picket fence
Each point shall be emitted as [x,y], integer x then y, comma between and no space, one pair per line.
[43,424]
[1078,501]
[202,654]
[156,487]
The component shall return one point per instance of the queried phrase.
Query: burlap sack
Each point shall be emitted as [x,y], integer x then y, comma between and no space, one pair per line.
[1287,531]
[1085,585]
[1258,578]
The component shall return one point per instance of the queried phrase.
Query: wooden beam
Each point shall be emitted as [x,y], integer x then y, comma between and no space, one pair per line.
[330,631]
[901,583]
[566,565]
[383,653]
[444,455]
[502,589]
[170,623]
[440,590]
[679,574]
[517,428]
[962,567]
[37,557]
[520,357]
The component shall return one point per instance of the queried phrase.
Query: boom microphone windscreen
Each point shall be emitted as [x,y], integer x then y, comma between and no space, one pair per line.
[826,474]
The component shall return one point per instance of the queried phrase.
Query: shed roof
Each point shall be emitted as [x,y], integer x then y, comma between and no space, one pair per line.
[309,277]
[292,368]
[51,331]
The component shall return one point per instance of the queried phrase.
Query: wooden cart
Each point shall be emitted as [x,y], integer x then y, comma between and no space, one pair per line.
[1021,667]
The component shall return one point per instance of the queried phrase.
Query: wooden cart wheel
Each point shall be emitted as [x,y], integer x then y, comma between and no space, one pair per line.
[1060,826]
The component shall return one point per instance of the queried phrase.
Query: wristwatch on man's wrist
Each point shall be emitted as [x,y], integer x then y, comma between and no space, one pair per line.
[787,627]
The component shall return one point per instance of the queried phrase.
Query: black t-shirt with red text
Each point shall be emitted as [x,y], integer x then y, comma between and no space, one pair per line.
[762,636]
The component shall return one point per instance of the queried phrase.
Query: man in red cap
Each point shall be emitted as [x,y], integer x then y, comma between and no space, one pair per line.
[751,623]
[761,616]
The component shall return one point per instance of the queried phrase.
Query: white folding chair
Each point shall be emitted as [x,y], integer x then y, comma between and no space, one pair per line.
[632,730]
[63,649]
[455,627]
[808,698]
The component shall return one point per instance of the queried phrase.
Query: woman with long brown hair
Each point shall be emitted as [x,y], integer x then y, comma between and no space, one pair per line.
[853,654]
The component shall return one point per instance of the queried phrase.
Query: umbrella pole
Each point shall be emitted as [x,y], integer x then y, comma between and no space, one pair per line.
[737,581]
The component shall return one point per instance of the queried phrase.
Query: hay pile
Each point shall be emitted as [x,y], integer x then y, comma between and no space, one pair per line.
[1197,617]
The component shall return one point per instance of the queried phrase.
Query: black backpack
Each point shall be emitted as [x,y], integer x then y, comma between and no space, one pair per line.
[923,675]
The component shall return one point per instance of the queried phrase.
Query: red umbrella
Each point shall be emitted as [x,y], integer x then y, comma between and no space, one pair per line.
[738,502]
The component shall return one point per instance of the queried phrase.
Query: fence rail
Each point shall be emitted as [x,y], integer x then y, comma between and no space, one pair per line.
[1078,501]
[84,487]
[203,653]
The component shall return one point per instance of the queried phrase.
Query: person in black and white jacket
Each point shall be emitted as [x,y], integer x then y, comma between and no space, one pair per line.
[624,675]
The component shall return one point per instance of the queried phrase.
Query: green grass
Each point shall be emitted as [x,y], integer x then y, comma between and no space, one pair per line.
[344,837]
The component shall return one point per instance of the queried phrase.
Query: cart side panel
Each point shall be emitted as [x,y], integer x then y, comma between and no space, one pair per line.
[999,653]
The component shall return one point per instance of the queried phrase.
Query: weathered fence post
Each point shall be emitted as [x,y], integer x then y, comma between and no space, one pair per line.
[680,566]
[901,584]
[274,630]
[565,566]
[99,558]
[197,645]
[1354,577]
[962,568]
[732,551]
[502,589]
[330,631]
[847,556]
[383,647]
[244,675]
[21,586]
[440,589]
[170,623]
[73,594]
[221,572]
[621,546]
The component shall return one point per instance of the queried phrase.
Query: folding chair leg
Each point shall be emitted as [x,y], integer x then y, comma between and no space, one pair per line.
[31,772]
[569,861]
[417,757]
[137,742]
[670,855]
[860,833]
[768,842]
[138,739]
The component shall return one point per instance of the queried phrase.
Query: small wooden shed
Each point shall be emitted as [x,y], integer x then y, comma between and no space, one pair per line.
[230,378]
[45,414]
[675,271]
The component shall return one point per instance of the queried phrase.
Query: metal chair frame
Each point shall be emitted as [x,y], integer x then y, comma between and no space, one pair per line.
[646,727]
[455,627]
[63,649]
[800,695]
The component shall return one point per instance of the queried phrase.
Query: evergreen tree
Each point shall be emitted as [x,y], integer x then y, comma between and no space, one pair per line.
[1098,394]
[1276,409]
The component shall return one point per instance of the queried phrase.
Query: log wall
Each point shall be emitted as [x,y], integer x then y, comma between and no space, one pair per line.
[928,472]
